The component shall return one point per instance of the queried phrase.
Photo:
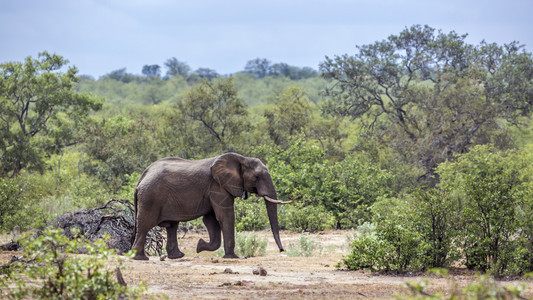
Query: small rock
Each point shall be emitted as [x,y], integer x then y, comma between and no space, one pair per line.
[259,271]
[238,283]
[163,257]
[245,283]
[226,284]
[230,271]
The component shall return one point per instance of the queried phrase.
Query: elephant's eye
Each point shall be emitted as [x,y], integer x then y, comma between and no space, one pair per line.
[256,177]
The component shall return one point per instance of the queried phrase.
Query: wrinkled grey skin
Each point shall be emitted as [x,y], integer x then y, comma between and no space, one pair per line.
[173,190]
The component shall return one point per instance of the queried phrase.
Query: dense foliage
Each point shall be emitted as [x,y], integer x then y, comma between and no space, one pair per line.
[388,136]
[479,215]
[55,271]
[41,113]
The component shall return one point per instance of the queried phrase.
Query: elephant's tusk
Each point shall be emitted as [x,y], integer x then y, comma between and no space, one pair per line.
[267,198]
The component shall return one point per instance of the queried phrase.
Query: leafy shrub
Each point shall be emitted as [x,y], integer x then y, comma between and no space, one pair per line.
[48,271]
[367,254]
[495,190]
[479,215]
[250,214]
[305,247]
[16,208]
[342,190]
[10,203]
[431,214]
[408,233]
[405,247]
[250,245]
[307,218]
[392,248]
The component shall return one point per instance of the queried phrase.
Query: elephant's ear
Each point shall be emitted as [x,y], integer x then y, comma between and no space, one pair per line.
[226,170]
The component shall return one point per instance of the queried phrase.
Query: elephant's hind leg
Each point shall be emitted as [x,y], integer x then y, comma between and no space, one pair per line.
[138,244]
[215,238]
[172,241]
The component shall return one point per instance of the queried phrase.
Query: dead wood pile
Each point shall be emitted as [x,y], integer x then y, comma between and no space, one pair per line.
[116,219]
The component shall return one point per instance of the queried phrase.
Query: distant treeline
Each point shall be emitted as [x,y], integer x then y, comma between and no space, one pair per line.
[259,68]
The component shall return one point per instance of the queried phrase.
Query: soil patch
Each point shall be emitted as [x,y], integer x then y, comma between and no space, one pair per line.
[208,277]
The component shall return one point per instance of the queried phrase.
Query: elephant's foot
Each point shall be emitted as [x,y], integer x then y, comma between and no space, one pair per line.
[140,257]
[231,255]
[205,246]
[175,254]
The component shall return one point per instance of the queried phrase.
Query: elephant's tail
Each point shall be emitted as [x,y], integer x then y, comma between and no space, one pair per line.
[134,217]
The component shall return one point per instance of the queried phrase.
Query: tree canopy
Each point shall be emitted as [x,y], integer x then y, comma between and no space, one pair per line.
[216,108]
[429,94]
[151,70]
[176,67]
[41,111]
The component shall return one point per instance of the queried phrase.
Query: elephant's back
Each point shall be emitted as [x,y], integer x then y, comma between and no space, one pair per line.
[176,171]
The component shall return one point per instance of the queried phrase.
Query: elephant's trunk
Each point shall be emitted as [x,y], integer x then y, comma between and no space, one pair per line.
[272,211]
[268,192]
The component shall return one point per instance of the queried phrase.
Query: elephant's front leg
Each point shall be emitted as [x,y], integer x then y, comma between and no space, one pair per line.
[226,218]
[172,241]
[213,228]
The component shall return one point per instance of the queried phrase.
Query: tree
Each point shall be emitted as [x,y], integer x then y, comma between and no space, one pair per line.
[119,146]
[430,95]
[289,117]
[151,71]
[259,67]
[206,73]
[280,69]
[176,67]
[41,111]
[216,107]
[120,75]
[153,93]
[294,73]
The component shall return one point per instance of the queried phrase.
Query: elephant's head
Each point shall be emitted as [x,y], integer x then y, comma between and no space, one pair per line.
[239,175]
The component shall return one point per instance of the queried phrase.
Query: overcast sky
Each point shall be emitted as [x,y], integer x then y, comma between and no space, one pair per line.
[99,36]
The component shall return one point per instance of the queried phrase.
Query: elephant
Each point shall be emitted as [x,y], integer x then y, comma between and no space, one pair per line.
[173,190]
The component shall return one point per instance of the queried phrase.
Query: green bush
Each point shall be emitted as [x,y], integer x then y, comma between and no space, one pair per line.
[479,215]
[342,190]
[250,245]
[392,247]
[406,248]
[250,214]
[305,247]
[49,271]
[431,214]
[40,197]
[366,254]
[411,232]
[10,203]
[307,218]
[495,192]
[16,208]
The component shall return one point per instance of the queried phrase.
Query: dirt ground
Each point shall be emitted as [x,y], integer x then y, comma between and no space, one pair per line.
[205,276]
